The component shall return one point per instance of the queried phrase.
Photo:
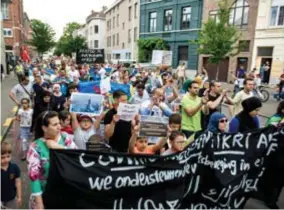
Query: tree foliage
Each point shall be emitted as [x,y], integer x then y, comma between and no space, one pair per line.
[218,39]
[146,46]
[67,44]
[42,36]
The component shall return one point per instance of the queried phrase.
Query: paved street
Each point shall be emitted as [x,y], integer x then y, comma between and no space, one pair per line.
[7,104]
[6,109]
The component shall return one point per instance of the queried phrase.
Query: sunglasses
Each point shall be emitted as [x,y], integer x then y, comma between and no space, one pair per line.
[223,121]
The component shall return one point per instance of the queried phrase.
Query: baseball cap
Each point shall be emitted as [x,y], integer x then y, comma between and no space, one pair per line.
[84,116]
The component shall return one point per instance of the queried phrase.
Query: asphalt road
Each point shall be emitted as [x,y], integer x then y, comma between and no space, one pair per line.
[6,109]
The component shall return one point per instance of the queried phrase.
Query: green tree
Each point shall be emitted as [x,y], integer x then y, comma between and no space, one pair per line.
[42,36]
[146,46]
[67,44]
[218,39]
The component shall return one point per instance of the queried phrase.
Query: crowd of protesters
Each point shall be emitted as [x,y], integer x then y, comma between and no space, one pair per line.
[192,107]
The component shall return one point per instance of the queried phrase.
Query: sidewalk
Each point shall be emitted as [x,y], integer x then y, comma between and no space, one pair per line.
[268,108]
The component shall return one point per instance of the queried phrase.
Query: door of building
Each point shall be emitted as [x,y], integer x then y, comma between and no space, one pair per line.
[182,54]
[212,69]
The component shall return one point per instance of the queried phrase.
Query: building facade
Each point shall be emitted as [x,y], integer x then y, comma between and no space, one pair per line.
[178,22]
[243,16]
[122,30]
[13,26]
[269,38]
[95,29]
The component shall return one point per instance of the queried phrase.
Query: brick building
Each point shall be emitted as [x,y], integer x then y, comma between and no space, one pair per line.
[243,16]
[13,25]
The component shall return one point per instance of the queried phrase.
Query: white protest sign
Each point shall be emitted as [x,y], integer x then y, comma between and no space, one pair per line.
[127,112]
[57,62]
[162,57]
[105,85]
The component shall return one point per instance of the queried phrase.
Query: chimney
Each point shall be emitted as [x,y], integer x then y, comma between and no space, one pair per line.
[104,8]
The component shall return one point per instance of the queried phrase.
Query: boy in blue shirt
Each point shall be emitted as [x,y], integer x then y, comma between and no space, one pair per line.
[11,186]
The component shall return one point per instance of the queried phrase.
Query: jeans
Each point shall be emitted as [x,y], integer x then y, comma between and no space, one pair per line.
[278,95]
[24,136]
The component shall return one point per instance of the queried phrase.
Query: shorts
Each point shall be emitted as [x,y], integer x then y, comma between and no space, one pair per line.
[25,133]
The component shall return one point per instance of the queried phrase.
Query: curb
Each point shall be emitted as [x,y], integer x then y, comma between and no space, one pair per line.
[7,125]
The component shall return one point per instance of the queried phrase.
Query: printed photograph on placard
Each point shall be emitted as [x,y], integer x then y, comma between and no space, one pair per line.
[153,126]
[84,103]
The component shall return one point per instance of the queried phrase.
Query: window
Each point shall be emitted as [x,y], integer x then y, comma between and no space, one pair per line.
[244,45]
[153,21]
[5,11]
[277,13]
[123,25]
[117,20]
[122,45]
[129,35]
[239,13]
[214,15]
[129,13]
[185,18]
[110,23]
[168,17]
[96,44]
[265,51]
[135,34]
[117,39]
[91,30]
[109,41]
[90,44]
[7,32]
[135,10]
[96,28]
[113,20]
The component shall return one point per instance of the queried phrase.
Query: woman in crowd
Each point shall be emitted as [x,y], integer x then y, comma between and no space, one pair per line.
[278,116]
[48,136]
[247,119]
[217,123]
[58,99]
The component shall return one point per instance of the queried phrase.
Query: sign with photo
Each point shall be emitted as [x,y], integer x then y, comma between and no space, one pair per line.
[162,57]
[90,56]
[127,112]
[153,126]
[84,103]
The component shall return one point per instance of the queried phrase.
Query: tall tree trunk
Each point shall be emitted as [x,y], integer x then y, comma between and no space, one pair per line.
[217,71]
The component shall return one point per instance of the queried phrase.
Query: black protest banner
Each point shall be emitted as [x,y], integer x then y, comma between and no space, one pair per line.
[90,56]
[215,171]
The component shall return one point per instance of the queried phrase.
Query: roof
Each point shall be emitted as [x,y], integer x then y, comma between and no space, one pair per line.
[94,15]
[113,5]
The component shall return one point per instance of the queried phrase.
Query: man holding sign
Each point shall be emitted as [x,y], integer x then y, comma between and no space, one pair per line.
[117,131]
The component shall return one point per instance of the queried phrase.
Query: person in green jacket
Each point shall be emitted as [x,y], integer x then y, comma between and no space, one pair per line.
[278,117]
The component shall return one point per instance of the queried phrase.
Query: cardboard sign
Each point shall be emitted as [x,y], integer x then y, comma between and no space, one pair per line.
[127,112]
[153,126]
[90,56]
[162,57]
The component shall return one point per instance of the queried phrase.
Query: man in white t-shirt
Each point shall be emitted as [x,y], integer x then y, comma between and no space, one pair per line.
[242,95]
[102,72]
[22,90]
[74,74]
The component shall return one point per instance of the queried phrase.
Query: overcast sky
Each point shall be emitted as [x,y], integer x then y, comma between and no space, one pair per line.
[59,12]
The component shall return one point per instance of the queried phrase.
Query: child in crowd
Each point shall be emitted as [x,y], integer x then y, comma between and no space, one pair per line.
[11,186]
[177,143]
[174,125]
[139,145]
[65,122]
[25,116]
[84,128]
